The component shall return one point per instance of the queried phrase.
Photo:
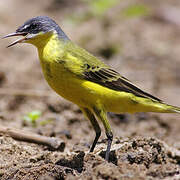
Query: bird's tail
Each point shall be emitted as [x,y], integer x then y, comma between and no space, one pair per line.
[163,108]
[175,109]
[171,109]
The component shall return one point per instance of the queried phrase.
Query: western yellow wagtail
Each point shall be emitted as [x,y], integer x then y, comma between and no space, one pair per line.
[83,79]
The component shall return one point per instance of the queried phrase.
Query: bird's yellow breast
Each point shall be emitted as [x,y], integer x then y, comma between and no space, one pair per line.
[64,82]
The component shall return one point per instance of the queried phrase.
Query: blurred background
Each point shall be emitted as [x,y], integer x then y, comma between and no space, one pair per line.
[140,39]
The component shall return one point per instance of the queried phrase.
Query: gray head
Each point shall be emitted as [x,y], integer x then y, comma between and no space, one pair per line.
[35,26]
[41,24]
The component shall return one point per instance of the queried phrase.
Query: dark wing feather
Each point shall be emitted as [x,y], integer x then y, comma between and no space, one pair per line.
[113,80]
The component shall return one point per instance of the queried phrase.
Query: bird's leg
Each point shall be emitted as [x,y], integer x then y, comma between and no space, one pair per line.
[101,114]
[110,139]
[95,125]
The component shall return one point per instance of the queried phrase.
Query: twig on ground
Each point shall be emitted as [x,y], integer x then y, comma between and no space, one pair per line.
[53,143]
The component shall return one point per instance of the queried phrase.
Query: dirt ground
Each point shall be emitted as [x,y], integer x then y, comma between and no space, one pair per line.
[143,47]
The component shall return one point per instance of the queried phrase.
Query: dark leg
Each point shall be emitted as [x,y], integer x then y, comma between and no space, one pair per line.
[101,114]
[110,139]
[95,124]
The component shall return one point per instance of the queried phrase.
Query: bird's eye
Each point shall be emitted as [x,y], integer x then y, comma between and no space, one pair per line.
[33,26]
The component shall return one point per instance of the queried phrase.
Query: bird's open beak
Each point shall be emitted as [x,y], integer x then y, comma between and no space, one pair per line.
[18,40]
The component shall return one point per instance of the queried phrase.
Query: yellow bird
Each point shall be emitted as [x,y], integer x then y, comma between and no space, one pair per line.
[83,79]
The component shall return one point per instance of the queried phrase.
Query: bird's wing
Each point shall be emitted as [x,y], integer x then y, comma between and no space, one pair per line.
[88,67]
[111,79]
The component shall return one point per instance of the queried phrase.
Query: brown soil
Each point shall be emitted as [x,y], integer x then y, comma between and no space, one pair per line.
[144,49]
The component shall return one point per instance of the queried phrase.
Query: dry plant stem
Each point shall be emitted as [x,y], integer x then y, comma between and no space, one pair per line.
[51,142]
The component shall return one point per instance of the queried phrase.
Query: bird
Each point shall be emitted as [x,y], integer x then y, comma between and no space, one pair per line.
[80,77]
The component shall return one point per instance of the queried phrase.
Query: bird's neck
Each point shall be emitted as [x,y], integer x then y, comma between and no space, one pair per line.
[52,48]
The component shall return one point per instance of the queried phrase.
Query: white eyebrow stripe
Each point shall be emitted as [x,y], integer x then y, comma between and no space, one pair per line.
[26,26]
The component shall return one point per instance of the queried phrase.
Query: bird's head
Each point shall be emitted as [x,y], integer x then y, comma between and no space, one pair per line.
[37,29]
